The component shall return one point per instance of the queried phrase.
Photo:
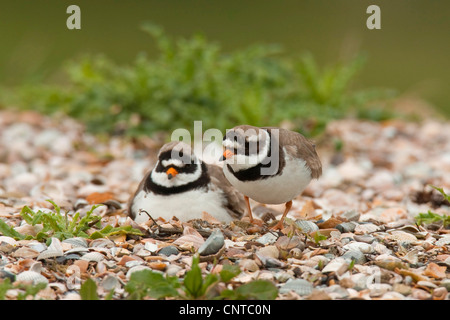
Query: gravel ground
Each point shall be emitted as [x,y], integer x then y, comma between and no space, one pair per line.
[351,235]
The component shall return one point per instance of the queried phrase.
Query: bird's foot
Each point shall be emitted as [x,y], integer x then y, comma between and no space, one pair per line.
[278,226]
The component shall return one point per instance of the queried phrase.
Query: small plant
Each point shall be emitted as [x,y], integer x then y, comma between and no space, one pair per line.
[147,283]
[194,79]
[319,237]
[25,290]
[431,217]
[61,226]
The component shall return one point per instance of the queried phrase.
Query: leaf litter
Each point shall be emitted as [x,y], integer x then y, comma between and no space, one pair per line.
[375,226]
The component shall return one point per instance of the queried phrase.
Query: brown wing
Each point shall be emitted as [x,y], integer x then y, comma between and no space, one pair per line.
[130,201]
[235,203]
[300,147]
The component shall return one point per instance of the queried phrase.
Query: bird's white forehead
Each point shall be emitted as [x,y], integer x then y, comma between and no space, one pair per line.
[172,162]
[237,139]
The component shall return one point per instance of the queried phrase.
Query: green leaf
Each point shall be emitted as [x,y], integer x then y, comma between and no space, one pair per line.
[88,290]
[429,217]
[441,190]
[152,284]
[257,290]
[30,290]
[193,281]
[319,237]
[228,272]
[9,231]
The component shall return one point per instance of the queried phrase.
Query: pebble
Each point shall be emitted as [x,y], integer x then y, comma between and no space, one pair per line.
[364,238]
[269,251]
[213,244]
[169,250]
[363,204]
[355,255]
[346,227]
[360,246]
[268,238]
[248,265]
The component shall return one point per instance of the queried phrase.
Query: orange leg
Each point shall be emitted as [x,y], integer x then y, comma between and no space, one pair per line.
[249,209]
[279,225]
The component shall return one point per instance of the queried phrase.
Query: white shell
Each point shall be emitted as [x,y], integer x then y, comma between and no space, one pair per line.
[402,236]
[360,246]
[31,276]
[54,250]
[8,240]
[93,256]
[77,242]
[306,226]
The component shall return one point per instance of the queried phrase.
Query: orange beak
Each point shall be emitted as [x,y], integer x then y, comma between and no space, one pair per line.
[227,154]
[171,172]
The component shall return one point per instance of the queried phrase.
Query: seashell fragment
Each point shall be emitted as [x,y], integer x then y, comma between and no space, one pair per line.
[365,228]
[102,243]
[31,276]
[355,255]
[306,226]
[443,241]
[288,243]
[401,236]
[152,247]
[25,252]
[440,293]
[338,265]
[54,250]
[93,256]
[77,242]
[360,246]
[8,240]
[269,251]
[300,286]
[267,238]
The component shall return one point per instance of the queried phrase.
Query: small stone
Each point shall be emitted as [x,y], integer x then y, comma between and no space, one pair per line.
[248,265]
[173,269]
[269,251]
[288,243]
[338,265]
[351,215]
[110,282]
[268,238]
[420,294]
[364,238]
[402,288]
[346,227]
[168,251]
[355,255]
[440,293]
[446,284]
[213,244]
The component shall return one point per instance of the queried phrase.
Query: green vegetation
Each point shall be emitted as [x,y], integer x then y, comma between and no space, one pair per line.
[431,217]
[152,284]
[61,226]
[25,290]
[193,79]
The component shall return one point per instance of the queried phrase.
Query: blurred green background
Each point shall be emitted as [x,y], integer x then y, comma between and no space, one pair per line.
[409,54]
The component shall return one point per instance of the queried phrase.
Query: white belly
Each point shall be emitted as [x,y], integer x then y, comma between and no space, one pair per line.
[185,206]
[276,189]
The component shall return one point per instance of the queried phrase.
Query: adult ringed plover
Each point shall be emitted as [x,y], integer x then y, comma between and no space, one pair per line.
[182,185]
[269,165]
